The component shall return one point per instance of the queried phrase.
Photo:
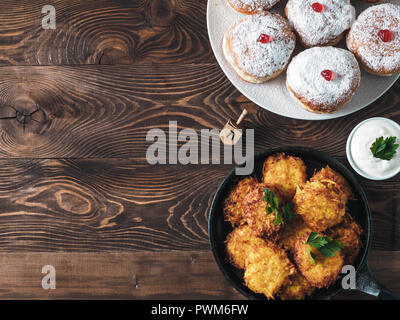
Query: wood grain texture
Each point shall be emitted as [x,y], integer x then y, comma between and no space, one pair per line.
[95,205]
[75,190]
[75,177]
[116,204]
[181,275]
[105,32]
[120,275]
[106,111]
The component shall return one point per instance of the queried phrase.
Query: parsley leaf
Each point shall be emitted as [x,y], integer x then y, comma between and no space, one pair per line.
[312,255]
[272,200]
[384,148]
[281,216]
[316,241]
[329,249]
[326,245]
[288,212]
[278,218]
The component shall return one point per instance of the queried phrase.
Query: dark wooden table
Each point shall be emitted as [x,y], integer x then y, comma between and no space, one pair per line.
[76,191]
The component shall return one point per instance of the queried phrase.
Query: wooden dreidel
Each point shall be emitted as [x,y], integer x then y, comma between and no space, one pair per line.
[232,131]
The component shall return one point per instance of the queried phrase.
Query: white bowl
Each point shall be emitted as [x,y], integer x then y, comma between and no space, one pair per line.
[352,162]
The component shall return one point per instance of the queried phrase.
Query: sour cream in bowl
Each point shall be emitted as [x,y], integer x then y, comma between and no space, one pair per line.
[360,141]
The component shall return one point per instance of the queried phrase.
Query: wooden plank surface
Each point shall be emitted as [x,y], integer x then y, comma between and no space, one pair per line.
[105,32]
[119,275]
[117,204]
[79,168]
[106,111]
[75,188]
[144,275]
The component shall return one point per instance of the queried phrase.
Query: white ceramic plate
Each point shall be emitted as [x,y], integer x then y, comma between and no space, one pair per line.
[273,94]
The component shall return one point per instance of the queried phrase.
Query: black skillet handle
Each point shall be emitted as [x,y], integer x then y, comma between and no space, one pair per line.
[367,283]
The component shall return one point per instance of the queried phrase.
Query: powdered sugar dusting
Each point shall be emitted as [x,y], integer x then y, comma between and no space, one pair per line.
[305,79]
[366,44]
[319,28]
[254,5]
[261,59]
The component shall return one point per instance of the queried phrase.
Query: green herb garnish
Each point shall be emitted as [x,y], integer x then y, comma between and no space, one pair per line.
[288,212]
[312,255]
[326,245]
[281,216]
[384,148]
[272,200]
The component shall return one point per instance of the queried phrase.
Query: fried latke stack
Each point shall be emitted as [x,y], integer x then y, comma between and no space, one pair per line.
[276,258]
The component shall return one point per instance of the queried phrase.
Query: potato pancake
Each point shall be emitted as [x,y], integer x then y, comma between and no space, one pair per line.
[239,243]
[233,208]
[324,272]
[267,269]
[285,172]
[292,231]
[255,212]
[327,174]
[348,233]
[297,288]
[322,205]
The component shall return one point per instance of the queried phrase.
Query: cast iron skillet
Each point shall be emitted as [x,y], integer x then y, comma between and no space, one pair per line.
[218,229]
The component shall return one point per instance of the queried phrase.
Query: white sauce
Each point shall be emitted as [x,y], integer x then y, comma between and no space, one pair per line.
[362,141]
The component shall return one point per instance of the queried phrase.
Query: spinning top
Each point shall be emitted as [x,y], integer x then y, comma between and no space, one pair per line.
[232,131]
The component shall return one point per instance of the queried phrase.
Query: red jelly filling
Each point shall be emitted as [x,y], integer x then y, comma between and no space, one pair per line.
[317,7]
[385,35]
[264,38]
[328,75]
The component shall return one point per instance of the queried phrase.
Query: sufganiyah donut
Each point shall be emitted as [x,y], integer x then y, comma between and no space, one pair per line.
[259,47]
[252,6]
[323,79]
[374,39]
[320,22]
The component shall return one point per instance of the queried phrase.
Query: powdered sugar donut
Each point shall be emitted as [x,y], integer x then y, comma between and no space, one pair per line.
[375,39]
[252,6]
[259,47]
[323,79]
[320,22]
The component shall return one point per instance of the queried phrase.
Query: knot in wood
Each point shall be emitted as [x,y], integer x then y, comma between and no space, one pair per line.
[160,13]
[114,51]
[24,115]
